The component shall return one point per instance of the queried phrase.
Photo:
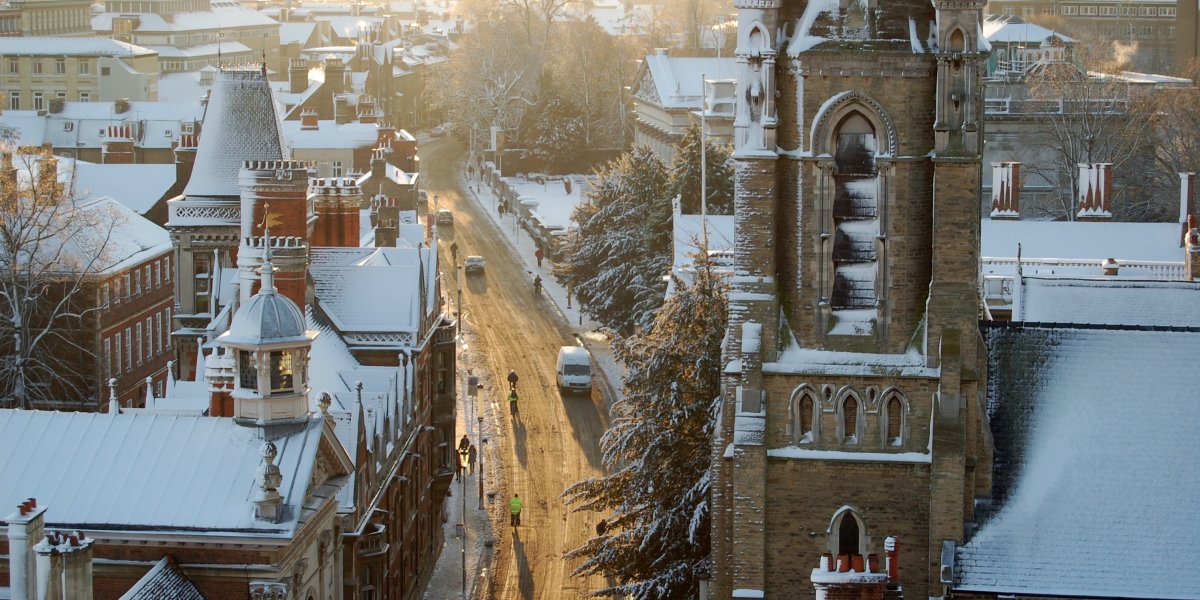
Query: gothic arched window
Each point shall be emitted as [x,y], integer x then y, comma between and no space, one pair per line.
[855,214]
[848,535]
[895,414]
[850,420]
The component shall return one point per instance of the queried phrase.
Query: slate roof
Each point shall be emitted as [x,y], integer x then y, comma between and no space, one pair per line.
[1096,472]
[94,181]
[1111,301]
[225,16]
[145,471]
[165,580]
[241,124]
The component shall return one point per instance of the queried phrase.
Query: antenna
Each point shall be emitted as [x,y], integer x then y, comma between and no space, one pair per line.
[220,36]
[703,165]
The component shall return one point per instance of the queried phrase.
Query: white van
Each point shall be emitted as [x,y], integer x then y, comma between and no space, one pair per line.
[574,369]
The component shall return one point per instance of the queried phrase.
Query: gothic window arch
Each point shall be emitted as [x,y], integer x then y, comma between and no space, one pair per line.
[835,110]
[850,419]
[958,41]
[894,419]
[847,533]
[806,411]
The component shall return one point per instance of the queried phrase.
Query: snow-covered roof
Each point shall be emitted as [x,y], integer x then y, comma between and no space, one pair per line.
[93,181]
[222,16]
[112,235]
[145,471]
[350,296]
[677,78]
[1083,240]
[164,580]
[1009,29]
[186,86]
[241,123]
[1111,301]
[554,204]
[29,126]
[330,134]
[295,33]
[1086,484]
[227,49]
[153,124]
[348,26]
[63,46]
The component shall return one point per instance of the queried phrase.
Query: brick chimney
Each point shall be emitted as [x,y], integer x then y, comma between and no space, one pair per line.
[335,75]
[849,580]
[386,134]
[337,205]
[367,112]
[1095,192]
[25,528]
[64,567]
[1006,190]
[185,158]
[342,111]
[117,147]
[1191,250]
[219,373]
[1187,199]
[297,75]
[386,216]
[309,119]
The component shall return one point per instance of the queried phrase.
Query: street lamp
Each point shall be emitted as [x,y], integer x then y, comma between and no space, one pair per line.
[458,305]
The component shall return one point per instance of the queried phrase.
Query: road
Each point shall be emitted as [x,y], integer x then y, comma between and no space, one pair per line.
[553,441]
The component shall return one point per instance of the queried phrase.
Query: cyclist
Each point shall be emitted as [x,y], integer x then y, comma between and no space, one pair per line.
[537,284]
[514,507]
[512,402]
[512,380]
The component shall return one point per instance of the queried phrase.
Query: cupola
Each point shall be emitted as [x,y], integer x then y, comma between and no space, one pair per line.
[270,345]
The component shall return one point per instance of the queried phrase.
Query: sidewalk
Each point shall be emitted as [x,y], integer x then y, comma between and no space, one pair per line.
[474,545]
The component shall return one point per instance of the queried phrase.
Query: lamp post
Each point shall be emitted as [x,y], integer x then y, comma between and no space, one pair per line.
[462,458]
[458,305]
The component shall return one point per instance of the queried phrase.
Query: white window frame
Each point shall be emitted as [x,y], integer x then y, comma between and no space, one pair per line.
[118,363]
[140,349]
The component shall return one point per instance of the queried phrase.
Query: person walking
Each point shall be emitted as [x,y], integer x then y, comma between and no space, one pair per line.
[539,254]
[601,527]
[464,444]
[514,508]
[472,454]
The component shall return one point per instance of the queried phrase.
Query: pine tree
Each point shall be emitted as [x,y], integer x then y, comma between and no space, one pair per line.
[616,260]
[657,451]
[685,175]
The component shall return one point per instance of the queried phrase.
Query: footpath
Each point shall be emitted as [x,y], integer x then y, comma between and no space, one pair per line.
[462,569]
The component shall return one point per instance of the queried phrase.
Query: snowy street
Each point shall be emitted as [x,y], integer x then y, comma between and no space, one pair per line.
[553,440]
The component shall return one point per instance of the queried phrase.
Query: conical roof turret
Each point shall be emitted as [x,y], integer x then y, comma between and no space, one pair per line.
[241,123]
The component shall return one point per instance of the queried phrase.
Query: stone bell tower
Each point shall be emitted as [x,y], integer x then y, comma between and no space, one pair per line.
[852,364]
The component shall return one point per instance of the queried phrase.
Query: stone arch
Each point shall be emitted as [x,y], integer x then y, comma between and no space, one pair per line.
[836,110]
[957,41]
[805,409]
[757,38]
[893,418]
[845,521]
[850,416]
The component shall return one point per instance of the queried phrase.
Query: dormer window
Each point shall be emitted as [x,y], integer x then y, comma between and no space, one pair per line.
[281,372]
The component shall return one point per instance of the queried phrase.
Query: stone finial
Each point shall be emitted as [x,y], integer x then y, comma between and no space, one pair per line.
[149,391]
[267,501]
[114,405]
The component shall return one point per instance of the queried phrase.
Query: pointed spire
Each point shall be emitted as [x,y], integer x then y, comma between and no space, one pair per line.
[114,405]
[268,269]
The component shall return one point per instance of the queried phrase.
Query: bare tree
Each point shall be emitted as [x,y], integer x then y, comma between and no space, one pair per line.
[482,86]
[592,69]
[50,250]
[1177,135]
[1083,116]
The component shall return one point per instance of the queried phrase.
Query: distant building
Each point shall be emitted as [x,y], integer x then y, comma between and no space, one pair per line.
[668,96]
[37,72]
[191,34]
[59,18]
[1144,31]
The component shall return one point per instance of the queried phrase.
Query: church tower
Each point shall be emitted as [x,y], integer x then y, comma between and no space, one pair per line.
[851,407]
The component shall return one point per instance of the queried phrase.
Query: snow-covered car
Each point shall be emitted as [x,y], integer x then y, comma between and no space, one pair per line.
[437,131]
[473,264]
[445,217]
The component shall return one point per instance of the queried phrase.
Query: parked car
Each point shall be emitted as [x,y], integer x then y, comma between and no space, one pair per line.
[445,217]
[473,264]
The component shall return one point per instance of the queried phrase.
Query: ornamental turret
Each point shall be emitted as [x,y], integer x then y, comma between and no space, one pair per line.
[270,347]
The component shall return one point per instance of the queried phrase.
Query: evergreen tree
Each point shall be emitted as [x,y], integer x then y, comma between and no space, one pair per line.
[657,451]
[685,175]
[616,260]
[554,130]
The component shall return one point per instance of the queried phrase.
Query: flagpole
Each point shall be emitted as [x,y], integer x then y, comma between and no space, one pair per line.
[703,165]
